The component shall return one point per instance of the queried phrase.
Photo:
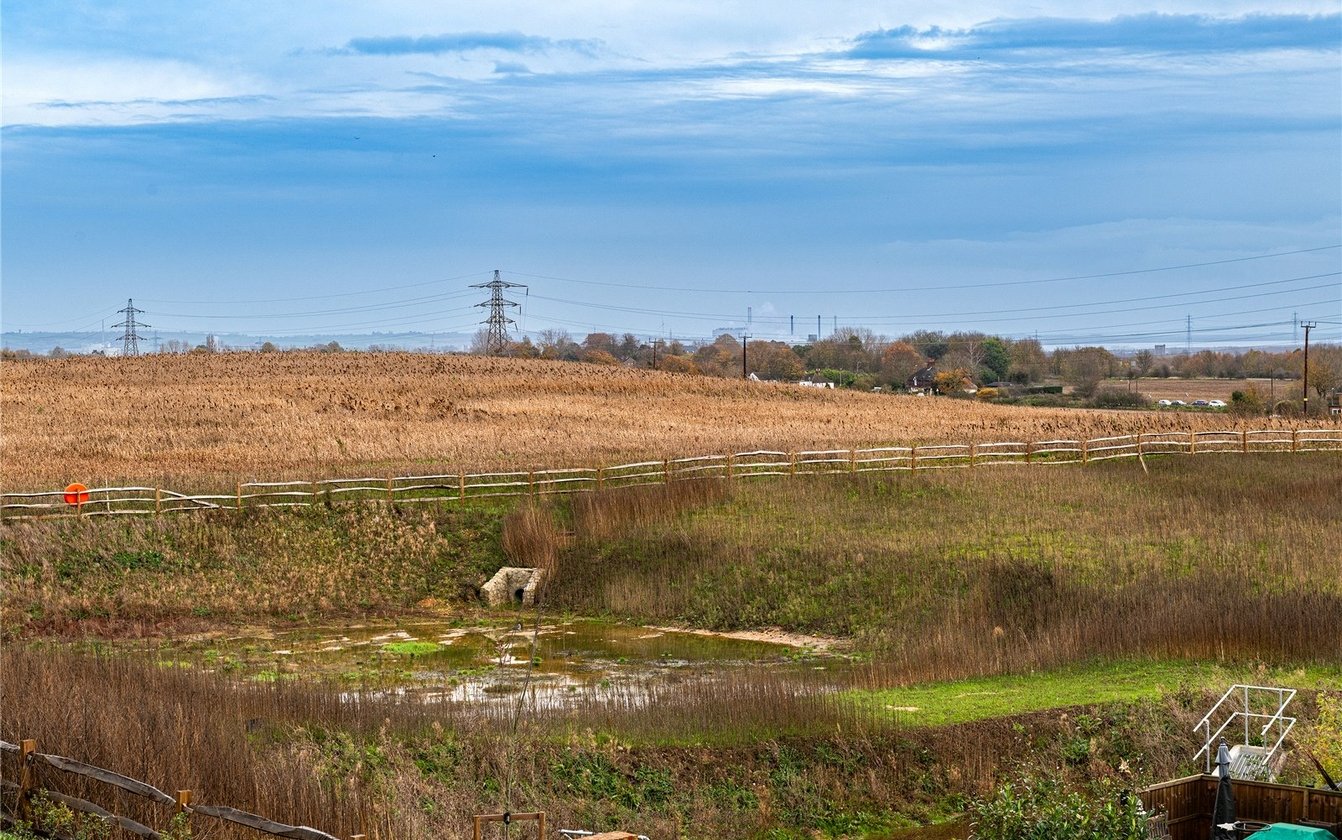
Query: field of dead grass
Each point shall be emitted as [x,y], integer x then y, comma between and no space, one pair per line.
[196,420]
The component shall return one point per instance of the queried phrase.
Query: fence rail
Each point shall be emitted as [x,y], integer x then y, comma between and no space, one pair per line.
[456,487]
[30,760]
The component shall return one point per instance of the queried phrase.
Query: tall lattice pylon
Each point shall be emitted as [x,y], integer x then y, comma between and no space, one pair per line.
[130,339]
[496,341]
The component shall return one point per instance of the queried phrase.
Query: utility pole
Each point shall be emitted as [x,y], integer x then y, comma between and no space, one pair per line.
[130,339]
[1188,337]
[744,373]
[498,321]
[655,342]
[1304,390]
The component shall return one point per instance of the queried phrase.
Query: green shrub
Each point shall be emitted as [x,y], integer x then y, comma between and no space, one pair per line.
[1247,403]
[1042,809]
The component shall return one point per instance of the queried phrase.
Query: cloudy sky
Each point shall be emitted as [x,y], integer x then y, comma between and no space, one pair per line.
[1082,170]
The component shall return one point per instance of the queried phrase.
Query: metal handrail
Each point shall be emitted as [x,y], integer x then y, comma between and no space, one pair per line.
[1284,698]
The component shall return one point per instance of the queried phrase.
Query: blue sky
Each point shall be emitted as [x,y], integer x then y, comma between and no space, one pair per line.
[660,167]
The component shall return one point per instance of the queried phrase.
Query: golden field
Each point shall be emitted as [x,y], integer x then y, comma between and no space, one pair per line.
[193,420]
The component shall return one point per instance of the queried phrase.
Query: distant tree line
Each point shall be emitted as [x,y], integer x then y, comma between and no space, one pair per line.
[859,358]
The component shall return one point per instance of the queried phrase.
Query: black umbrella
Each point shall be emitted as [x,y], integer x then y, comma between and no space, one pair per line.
[1223,814]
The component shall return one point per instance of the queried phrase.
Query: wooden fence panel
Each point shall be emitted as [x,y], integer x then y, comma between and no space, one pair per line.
[69,765]
[131,501]
[143,789]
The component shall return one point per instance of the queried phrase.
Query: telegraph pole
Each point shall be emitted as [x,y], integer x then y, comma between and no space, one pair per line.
[1306,326]
[498,321]
[130,339]
[744,373]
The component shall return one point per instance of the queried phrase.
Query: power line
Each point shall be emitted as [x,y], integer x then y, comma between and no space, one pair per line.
[325,297]
[998,284]
[869,319]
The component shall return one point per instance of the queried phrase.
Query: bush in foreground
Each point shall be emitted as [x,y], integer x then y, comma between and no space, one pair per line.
[1042,809]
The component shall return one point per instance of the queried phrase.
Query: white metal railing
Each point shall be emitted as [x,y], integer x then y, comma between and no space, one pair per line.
[1245,695]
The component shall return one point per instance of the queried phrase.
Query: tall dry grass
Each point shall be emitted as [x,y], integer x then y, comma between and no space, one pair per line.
[206,421]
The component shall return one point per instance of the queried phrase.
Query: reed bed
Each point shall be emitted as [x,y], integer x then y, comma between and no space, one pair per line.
[206,421]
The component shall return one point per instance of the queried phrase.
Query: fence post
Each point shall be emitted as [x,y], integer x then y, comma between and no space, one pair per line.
[314,493]
[666,470]
[158,500]
[1244,442]
[1029,451]
[1139,444]
[1192,442]
[792,463]
[600,477]
[391,496]
[973,453]
[531,483]
[183,801]
[1085,450]
[23,805]
[913,458]
[239,496]
[731,462]
[852,460]
[1295,440]
[461,486]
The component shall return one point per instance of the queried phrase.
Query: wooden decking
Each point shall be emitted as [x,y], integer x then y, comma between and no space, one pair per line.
[1187,803]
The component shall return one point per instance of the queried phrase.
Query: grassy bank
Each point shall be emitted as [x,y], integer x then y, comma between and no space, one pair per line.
[1083,684]
[977,572]
[129,575]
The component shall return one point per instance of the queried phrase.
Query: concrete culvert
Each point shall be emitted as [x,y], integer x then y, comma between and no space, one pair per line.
[517,584]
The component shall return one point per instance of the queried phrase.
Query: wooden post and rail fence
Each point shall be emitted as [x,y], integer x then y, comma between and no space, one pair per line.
[460,487]
[30,761]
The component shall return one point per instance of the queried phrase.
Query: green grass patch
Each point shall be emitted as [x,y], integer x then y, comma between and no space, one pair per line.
[1092,683]
[412,648]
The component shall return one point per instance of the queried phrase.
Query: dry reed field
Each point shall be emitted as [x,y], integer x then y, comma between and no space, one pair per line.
[195,421]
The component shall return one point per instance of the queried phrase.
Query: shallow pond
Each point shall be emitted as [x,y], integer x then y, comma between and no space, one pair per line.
[445,660]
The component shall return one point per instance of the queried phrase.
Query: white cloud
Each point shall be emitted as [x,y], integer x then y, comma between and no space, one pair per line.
[74,90]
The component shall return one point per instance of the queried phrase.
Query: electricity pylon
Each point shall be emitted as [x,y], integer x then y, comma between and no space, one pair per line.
[496,342]
[130,339]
